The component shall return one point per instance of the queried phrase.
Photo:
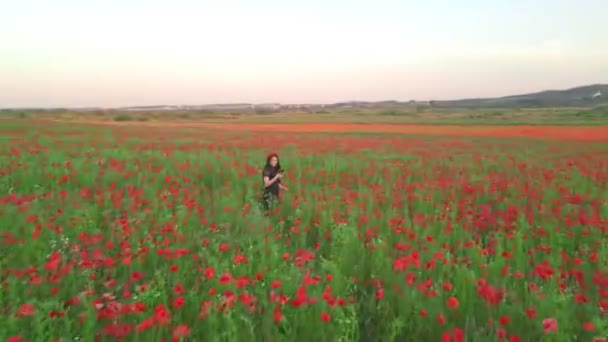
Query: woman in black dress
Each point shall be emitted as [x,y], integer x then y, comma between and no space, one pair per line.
[271,176]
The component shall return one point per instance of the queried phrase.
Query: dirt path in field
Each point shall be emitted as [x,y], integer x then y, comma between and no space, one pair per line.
[579,133]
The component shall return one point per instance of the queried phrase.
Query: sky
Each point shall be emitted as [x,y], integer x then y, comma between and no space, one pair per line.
[79,53]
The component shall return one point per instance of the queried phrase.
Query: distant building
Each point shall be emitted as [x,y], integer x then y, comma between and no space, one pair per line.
[151,108]
[267,106]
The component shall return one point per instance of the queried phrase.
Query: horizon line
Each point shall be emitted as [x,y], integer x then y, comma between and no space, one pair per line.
[297,104]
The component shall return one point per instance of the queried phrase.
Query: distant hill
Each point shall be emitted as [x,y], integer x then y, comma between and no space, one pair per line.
[586,96]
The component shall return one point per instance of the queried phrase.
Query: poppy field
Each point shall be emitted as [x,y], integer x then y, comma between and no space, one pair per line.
[155,234]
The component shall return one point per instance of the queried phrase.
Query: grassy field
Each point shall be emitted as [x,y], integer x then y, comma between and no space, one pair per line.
[149,233]
[424,115]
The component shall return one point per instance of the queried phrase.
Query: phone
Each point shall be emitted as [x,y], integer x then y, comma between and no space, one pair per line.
[282,171]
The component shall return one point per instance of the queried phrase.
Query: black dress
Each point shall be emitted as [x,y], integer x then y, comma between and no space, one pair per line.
[271,193]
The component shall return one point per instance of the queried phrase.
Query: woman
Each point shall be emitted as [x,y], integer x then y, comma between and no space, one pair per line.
[271,175]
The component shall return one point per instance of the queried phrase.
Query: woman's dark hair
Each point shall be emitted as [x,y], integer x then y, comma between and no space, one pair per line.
[269,157]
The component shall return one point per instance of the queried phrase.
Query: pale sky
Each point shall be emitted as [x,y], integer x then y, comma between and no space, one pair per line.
[69,53]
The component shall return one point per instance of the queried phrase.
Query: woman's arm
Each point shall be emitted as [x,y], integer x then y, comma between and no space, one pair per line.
[283,187]
[268,181]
